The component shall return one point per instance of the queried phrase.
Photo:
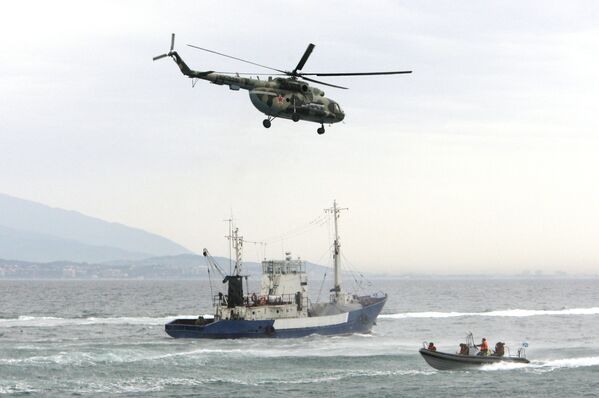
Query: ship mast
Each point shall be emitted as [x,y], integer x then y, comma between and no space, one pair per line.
[236,242]
[336,248]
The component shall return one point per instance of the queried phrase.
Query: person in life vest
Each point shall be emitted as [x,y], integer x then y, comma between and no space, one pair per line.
[431,346]
[484,347]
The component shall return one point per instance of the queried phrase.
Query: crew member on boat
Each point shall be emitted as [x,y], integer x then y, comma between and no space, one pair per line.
[484,347]
[499,349]
[431,346]
[464,349]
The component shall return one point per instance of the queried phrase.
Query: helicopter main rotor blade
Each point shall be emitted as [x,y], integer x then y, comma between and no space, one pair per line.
[357,73]
[319,82]
[305,57]
[250,73]
[238,59]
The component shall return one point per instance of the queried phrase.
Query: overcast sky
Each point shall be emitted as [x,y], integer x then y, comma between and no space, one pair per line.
[485,159]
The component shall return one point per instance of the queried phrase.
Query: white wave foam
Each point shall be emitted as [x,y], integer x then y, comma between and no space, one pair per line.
[499,313]
[200,352]
[505,366]
[90,358]
[50,321]
[570,362]
[546,365]
[16,388]
[274,352]
[141,385]
[134,385]
[346,374]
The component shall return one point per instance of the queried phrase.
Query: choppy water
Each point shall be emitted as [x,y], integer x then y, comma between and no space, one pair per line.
[106,338]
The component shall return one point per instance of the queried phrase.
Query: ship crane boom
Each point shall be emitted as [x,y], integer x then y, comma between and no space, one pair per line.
[213,264]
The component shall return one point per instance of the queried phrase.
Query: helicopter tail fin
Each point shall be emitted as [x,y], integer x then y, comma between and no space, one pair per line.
[186,70]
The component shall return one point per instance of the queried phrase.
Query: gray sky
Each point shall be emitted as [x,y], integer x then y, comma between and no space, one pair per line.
[485,159]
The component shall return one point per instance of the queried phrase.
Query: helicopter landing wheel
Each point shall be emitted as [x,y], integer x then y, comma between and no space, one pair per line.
[295,117]
[266,123]
[320,130]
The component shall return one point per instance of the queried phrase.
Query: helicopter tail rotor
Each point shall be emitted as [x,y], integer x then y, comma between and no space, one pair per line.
[186,70]
[170,53]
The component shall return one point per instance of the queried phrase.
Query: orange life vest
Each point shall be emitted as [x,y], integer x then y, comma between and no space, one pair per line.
[484,346]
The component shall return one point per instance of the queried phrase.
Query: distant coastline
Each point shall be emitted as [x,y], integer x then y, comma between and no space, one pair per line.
[194,267]
[185,266]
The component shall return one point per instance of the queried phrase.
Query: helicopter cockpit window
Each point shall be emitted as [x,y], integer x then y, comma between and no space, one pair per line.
[336,108]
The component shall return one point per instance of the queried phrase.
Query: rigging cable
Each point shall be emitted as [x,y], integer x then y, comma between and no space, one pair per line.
[353,271]
[297,231]
[321,285]
[210,283]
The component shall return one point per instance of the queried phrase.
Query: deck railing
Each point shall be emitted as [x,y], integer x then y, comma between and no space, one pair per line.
[255,300]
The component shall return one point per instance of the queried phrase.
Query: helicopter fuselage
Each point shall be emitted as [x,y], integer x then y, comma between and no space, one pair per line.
[284,97]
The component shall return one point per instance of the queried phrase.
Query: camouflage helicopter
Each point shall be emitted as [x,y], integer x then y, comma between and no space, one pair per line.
[288,97]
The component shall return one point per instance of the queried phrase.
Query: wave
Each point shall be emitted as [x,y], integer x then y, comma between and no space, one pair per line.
[570,362]
[498,313]
[17,388]
[157,384]
[199,353]
[546,365]
[50,321]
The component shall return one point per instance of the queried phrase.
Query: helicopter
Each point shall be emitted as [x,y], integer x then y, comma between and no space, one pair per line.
[288,97]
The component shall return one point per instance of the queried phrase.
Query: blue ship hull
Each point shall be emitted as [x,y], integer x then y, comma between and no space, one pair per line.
[357,321]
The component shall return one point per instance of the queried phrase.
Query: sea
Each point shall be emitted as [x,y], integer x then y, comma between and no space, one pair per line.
[105,338]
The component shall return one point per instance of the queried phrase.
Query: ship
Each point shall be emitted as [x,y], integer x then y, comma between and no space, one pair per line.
[282,307]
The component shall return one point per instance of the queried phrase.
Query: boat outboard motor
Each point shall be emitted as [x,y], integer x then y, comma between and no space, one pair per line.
[235,293]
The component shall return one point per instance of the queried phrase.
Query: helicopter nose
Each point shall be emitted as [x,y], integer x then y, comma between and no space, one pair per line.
[341,116]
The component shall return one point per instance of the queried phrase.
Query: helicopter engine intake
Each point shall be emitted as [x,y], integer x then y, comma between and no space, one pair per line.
[292,85]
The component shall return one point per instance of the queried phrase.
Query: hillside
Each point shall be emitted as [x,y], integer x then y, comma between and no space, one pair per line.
[31,231]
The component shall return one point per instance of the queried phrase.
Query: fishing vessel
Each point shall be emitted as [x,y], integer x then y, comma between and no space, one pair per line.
[282,308]
[470,356]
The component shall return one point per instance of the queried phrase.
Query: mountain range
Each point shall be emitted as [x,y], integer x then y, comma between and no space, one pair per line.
[31,231]
[38,241]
